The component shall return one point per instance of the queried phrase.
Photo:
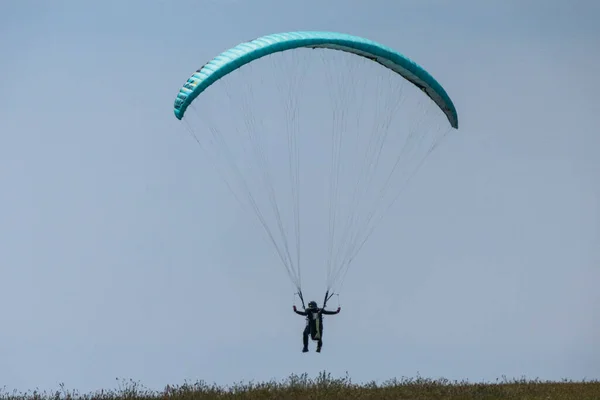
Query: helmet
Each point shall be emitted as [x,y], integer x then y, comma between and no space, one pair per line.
[312,304]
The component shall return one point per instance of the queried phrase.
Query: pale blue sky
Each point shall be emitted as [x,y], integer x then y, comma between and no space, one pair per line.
[121,255]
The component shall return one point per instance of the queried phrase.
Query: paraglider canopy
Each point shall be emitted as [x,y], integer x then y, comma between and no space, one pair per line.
[246,52]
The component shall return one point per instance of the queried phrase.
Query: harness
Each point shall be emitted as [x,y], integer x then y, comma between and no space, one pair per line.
[314,319]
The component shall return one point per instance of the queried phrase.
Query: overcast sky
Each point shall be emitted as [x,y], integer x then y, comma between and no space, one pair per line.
[123,255]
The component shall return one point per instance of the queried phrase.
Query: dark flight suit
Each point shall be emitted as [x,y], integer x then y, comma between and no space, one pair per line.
[314,325]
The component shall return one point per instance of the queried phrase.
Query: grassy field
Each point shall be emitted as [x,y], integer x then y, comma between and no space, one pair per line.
[326,387]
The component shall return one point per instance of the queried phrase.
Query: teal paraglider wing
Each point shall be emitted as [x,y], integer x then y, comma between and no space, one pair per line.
[246,52]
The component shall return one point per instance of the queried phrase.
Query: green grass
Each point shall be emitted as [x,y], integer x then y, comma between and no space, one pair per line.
[325,387]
